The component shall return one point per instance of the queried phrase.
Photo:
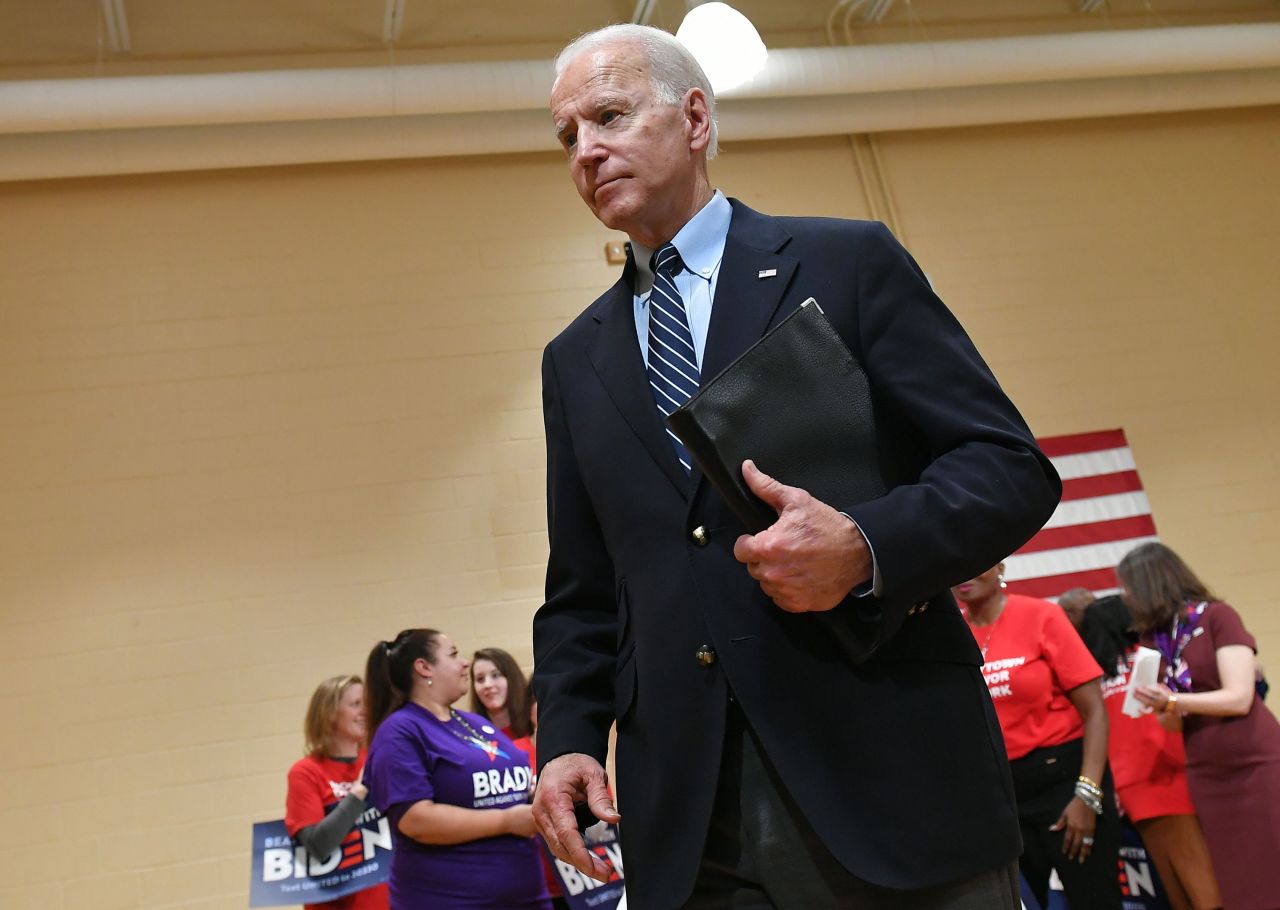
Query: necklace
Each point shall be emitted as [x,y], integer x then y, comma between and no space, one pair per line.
[488,746]
[985,642]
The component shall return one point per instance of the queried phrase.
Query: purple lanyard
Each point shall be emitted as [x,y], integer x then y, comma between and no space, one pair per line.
[1177,675]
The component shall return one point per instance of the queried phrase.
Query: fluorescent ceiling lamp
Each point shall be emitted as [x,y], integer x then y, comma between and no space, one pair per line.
[724,42]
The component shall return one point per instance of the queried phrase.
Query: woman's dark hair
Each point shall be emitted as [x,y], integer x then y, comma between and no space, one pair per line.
[1107,631]
[389,672]
[518,703]
[1158,584]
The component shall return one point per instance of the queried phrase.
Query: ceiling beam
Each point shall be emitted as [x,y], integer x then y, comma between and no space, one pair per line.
[140,124]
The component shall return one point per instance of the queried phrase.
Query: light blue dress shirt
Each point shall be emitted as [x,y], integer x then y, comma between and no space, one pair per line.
[700,244]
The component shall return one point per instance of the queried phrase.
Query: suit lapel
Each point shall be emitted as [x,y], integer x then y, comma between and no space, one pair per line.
[615,354]
[745,303]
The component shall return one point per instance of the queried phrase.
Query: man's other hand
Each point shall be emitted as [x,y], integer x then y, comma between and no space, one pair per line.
[564,781]
[811,557]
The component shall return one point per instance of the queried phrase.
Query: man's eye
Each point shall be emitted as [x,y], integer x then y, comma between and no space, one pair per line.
[569,141]
[607,116]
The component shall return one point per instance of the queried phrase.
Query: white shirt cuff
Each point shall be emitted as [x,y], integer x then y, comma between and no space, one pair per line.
[873,587]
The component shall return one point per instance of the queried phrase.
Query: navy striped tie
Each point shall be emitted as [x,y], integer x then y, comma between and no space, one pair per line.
[673,363]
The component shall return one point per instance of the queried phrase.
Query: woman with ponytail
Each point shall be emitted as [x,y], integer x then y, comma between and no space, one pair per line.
[454,787]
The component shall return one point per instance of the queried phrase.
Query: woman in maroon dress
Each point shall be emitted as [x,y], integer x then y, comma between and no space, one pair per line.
[1232,739]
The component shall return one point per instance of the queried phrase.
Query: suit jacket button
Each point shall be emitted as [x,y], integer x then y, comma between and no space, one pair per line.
[706,655]
[699,535]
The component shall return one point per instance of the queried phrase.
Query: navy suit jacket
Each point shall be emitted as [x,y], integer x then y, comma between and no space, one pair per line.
[896,761]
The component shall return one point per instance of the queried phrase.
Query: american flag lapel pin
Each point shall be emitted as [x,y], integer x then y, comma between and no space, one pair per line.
[767,273]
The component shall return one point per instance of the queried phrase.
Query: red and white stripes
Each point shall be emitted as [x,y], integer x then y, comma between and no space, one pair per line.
[1104,514]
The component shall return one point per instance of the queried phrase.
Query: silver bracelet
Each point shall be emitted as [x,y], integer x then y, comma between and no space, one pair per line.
[1090,799]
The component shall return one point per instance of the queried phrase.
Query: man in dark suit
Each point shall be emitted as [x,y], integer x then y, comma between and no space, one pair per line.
[758,763]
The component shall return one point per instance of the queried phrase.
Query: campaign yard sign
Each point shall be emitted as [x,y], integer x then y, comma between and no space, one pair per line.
[582,892]
[1140,887]
[285,874]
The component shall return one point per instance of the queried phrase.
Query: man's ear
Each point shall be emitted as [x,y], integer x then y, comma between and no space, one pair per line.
[697,117]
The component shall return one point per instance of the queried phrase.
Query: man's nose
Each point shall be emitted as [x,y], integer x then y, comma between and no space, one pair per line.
[588,147]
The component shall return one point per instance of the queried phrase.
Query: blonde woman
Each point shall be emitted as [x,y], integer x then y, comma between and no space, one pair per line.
[326,794]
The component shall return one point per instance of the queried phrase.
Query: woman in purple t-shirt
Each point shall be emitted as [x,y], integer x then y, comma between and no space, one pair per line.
[455,788]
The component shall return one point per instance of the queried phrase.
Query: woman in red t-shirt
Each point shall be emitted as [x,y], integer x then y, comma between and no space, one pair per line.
[326,794]
[1044,685]
[500,692]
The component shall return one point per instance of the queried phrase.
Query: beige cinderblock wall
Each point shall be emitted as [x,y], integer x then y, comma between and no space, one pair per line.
[251,422]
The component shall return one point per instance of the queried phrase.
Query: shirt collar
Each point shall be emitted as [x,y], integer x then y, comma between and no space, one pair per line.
[700,243]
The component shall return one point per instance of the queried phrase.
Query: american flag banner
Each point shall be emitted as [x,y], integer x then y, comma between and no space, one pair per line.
[1103,515]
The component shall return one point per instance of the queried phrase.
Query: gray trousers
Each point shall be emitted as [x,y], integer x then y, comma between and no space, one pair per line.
[761,854]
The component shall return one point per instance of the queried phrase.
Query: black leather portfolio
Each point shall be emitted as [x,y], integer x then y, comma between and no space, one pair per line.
[798,404]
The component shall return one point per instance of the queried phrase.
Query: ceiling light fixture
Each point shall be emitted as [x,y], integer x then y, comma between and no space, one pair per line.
[724,42]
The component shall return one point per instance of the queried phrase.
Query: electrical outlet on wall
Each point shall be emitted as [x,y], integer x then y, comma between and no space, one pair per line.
[615,252]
